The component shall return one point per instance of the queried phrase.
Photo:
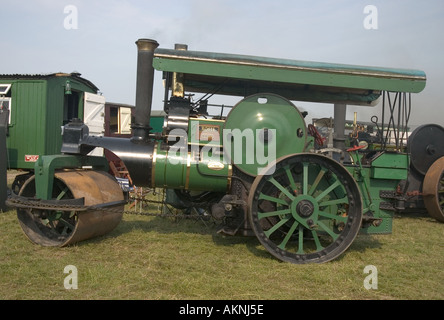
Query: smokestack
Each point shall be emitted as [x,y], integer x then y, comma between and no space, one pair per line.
[144,89]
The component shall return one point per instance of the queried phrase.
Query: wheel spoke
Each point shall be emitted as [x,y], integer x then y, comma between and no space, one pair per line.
[61,188]
[262,215]
[64,231]
[263,196]
[62,193]
[328,230]
[328,190]
[333,216]
[305,178]
[343,200]
[67,224]
[281,188]
[284,242]
[317,180]
[291,179]
[319,247]
[301,240]
[276,226]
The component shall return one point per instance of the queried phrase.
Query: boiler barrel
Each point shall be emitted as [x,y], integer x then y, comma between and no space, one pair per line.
[187,170]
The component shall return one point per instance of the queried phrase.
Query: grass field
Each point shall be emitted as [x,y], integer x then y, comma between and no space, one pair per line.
[158,258]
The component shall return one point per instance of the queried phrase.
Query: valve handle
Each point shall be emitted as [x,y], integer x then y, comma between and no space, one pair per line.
[355,148]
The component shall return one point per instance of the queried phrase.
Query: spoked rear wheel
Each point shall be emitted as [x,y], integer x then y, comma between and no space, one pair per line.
[308,210]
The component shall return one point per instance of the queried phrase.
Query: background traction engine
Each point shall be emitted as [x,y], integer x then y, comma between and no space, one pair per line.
[255,170]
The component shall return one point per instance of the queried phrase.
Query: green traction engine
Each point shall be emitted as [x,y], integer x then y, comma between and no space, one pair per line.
[258,168]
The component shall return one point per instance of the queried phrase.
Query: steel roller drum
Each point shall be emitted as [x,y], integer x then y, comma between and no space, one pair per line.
[70,227]
[426,145]
[255,116]
[433,190]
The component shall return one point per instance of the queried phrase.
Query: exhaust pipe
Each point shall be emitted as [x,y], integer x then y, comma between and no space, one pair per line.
[144,89]
[340,111]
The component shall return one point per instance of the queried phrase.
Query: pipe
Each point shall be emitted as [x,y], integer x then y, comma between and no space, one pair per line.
[339,126]
[138,157]
[144,89]
[177,87]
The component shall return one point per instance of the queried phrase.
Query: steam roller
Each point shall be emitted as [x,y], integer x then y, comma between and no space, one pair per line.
[259,170]
[54,225]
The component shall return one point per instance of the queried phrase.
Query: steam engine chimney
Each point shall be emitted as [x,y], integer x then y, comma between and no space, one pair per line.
[144,89]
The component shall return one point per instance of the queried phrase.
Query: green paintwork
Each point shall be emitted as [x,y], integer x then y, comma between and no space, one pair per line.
[250,117]
[384,173]
[156,120]
[296,80]
[390,166]
[156,124]
[46,166]
[37,115]
[176,170]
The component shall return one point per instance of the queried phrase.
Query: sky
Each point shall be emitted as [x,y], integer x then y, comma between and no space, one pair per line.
[97,39]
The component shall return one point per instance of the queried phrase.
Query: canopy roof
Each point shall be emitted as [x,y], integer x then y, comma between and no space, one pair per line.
[242,75]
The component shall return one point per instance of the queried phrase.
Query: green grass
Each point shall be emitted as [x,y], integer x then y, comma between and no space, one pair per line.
[157,258]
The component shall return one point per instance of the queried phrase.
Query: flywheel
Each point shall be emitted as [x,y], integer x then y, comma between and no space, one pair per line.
[426,145]
[306,208]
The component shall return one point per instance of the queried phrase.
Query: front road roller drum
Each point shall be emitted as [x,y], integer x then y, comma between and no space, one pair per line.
[433,190]
[60,227]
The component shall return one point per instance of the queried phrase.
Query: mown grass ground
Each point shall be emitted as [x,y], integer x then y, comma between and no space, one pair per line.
[158,258]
